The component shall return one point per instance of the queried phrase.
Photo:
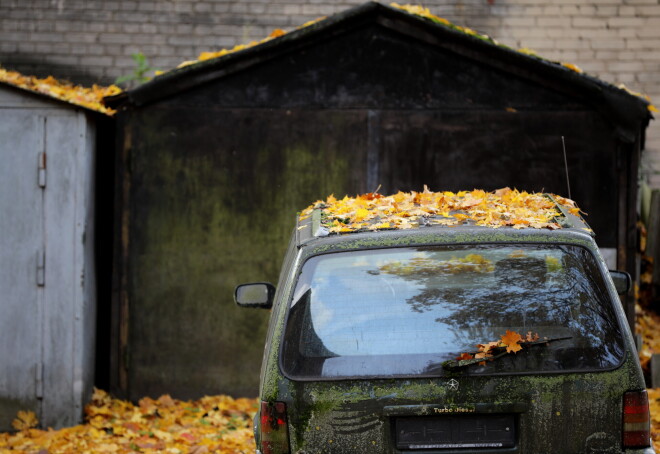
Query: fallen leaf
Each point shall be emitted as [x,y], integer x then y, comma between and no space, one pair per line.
[511,341]
[25,420]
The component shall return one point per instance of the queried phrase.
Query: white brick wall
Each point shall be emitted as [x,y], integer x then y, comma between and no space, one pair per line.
[92,40]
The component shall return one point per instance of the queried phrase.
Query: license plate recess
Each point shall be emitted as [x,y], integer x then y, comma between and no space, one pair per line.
[455,431]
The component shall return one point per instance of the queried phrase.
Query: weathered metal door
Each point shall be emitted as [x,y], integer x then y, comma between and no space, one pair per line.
[22,255]
[47,274]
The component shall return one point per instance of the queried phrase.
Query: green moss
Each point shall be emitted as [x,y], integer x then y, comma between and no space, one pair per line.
[203,220]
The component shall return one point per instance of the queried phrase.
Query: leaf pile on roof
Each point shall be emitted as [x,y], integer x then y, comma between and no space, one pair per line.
[419,10]
[222,52]
[88,97]
[426,13]
[211,424]
[416,10]
[501,208]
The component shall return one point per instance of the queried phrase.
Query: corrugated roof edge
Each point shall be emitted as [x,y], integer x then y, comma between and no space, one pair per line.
[626,110]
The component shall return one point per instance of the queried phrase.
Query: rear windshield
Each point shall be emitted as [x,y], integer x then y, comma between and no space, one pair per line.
[406,311]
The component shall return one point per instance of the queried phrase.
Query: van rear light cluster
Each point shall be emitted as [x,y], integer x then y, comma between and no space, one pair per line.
[274,429]
[636,420]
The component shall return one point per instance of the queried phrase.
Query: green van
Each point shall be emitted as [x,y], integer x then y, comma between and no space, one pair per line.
[447,336]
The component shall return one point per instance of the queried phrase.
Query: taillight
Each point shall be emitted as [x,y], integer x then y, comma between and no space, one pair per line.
[274,430]
[636,420]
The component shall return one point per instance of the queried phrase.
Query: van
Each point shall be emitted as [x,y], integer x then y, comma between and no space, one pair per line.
[439,322]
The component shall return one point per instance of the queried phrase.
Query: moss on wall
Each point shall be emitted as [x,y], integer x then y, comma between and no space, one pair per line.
[209,212]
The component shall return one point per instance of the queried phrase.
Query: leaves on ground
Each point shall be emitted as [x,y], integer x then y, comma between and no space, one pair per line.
[405,210]
[648,326]
[89,97]
[210,424]
[654,407]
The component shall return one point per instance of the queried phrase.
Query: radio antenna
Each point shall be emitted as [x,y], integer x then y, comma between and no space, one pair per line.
[568,183]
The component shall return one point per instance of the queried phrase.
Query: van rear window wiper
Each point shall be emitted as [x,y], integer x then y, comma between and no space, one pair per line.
[454,364]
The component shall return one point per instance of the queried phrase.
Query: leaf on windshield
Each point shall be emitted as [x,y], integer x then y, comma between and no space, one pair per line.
[511,341]
[487,347]
[531,337]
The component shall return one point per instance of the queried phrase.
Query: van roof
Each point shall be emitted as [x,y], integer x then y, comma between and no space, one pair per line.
[416,210]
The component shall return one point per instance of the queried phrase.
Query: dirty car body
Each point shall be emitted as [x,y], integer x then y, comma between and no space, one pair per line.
[366,328]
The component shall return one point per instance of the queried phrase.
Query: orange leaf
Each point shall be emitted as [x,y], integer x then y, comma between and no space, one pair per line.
[371,196]
[189,437]
[464,356]
[277,32]
[483,355]
[486,348]
[511,341]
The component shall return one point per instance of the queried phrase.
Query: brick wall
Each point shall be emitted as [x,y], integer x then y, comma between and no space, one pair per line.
[92,40]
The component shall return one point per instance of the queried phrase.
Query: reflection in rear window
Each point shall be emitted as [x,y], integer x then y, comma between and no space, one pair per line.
[404,311]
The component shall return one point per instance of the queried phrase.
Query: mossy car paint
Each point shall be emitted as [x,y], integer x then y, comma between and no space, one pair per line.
[366,328]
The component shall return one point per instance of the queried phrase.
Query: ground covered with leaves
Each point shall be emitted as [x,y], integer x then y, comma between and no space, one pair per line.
[214,424]
[648,326]
[221,424]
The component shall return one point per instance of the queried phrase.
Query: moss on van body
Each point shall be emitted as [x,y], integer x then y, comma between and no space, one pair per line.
[356,415]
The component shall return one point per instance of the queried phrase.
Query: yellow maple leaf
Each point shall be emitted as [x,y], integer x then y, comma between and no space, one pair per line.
[25,420]
[360,215]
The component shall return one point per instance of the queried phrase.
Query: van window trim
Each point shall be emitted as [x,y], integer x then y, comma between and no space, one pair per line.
[601,266]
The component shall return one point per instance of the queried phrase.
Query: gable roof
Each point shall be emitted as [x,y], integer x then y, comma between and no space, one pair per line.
[627,110]
[89,98]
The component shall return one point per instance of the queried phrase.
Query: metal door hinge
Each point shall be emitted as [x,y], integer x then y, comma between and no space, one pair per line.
[41,268]
[41,179]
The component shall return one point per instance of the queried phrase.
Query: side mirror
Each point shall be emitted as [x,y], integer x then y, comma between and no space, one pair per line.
[622,281]
[257,295]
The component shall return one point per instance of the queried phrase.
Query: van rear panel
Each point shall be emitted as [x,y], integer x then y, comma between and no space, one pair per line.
[366,340]
[567,413]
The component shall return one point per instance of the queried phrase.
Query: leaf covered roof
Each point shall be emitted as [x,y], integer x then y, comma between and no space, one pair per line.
[631,107]
[87,97]
[405,210]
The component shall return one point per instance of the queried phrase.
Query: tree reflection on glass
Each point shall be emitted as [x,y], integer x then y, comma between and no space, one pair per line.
[403,311]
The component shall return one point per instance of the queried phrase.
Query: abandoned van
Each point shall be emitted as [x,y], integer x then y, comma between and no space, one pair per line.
[438,322]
